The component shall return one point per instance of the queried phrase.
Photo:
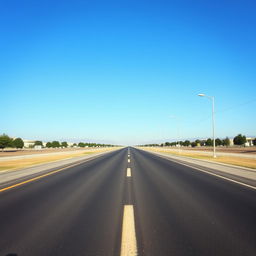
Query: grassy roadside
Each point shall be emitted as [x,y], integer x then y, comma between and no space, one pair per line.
[12,165]
[239,161]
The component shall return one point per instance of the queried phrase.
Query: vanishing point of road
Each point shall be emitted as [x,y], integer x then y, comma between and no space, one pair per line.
[128,202]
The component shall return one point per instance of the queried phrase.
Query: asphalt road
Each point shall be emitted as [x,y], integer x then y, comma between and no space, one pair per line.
[177,210]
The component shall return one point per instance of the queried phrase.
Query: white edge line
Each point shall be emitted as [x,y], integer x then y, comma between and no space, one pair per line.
[213,174]
[129,241]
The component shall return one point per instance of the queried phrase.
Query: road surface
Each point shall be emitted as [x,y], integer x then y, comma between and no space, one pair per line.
[137,205]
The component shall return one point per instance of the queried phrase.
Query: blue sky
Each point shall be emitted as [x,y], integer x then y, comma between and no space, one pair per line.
[115,71]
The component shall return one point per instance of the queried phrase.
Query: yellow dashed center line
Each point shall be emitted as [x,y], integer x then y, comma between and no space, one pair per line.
[128,174]
[129,241]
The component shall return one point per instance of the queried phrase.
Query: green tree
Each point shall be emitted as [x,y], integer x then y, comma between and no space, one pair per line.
[5,141]
[209,142]
[186,143]
[226,142]
[55,144]
[167,144]
[38,143]
[81,145]
[48,144]
[198,142]
[18,143]
[64,144]
[193,144]
[239,139]
[218,142]
[254,142]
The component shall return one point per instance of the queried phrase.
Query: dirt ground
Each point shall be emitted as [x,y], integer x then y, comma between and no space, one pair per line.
[14,164]
[234,160]
[242,150]
[14,152]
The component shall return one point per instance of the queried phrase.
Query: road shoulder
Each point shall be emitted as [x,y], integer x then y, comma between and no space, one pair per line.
[238,174]
[9,178]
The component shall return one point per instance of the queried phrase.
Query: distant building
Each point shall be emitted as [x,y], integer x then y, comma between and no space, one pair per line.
[249,141]
[29,143]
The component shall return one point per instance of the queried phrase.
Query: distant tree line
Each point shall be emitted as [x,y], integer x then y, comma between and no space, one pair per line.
[64,144]
[8,142]
[238,140]
[18,143]
[57,144]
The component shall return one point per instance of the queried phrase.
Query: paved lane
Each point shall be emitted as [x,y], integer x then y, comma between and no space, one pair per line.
[180,211]
[75,212]
[170,209]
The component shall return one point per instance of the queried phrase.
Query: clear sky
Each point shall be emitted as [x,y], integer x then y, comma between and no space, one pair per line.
[115,71]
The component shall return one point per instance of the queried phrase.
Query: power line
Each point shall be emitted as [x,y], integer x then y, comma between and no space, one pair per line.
[236,106]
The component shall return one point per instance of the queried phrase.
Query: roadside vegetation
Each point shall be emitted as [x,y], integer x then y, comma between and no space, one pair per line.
[6,141]
[234,160]
[18,143]
[14,164]
[238,140]
[181,148]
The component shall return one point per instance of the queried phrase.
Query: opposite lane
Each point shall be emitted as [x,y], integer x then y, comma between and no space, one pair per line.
[75,212]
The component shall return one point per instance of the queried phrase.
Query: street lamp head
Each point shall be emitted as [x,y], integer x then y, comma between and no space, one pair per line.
[201,94]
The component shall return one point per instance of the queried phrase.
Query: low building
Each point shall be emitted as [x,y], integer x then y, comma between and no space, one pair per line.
[249,142]
[29,143]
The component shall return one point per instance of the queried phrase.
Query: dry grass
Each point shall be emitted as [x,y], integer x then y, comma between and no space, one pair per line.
[239,161]
[27,162]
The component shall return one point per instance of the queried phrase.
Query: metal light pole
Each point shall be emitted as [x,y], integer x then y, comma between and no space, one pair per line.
[213,121]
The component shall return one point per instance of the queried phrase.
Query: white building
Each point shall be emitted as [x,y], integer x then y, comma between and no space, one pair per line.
[231,142]
[249,141]
[29,143]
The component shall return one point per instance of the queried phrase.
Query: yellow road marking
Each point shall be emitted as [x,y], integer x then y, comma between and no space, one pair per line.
[129,241]
[37,178]
[128,174]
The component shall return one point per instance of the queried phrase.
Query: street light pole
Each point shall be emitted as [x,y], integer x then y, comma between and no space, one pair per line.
[213,121]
